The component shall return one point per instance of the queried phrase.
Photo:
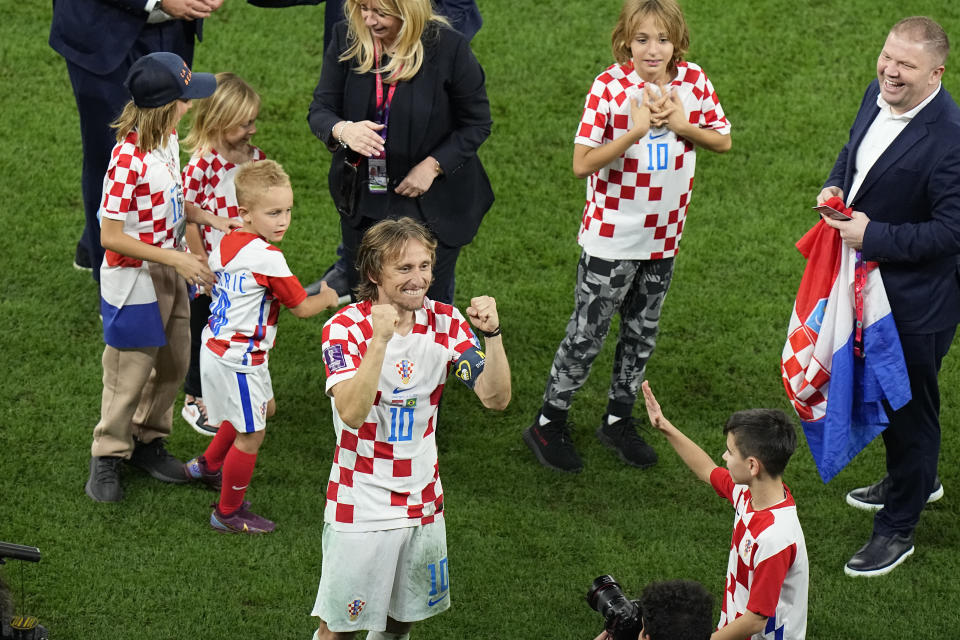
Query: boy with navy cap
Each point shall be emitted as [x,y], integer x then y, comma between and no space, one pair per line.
[143,297]
[160,78]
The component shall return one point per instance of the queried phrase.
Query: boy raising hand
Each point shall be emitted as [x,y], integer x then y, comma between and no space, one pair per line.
[765,595]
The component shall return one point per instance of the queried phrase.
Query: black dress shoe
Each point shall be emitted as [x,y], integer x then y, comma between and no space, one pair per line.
[336,279]
[81,259]
[873,497]
[879,556]
[154,458]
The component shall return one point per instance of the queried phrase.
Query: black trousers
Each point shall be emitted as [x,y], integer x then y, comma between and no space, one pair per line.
[912,440]
[199,316]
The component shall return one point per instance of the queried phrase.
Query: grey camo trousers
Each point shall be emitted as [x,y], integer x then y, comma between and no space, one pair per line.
[635,288]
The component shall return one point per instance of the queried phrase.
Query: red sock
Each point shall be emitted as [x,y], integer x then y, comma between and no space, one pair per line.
[217,450]
[237,471]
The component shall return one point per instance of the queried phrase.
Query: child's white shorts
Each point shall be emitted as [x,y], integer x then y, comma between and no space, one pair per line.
[366,576]
[238,396]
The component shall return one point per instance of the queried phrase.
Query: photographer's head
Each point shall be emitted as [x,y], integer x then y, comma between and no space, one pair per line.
[676,610]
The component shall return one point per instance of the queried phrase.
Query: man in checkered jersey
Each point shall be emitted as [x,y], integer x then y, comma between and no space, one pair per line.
[643,119]
[765,596]
[387,360]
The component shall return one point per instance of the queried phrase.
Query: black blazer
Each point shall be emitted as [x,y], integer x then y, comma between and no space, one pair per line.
[912,196]
[442,111]
[97,35]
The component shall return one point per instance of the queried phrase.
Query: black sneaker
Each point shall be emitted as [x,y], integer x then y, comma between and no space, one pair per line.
[154,458]
[336,279]
[103,485]
[552,445]
[872,498]
[623,439]
[81,259]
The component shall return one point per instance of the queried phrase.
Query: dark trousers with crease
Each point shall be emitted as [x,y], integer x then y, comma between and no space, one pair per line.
[912,440]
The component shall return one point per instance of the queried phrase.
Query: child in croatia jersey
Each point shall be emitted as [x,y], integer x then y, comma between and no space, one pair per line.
[765,596]
[143,296]
[252,281]
[636,144]
[220,143]
[387,359]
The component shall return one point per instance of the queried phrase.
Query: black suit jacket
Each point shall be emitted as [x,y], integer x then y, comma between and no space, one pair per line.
[442,112]
[97,35]
[912,196]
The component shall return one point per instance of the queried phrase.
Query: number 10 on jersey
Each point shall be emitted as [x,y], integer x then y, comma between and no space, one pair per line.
[658,156]
[401,424]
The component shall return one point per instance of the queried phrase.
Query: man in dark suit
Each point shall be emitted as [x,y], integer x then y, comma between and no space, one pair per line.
[100,40]
[900,172]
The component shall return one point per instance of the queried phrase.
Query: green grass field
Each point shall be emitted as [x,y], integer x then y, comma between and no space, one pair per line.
[524,542]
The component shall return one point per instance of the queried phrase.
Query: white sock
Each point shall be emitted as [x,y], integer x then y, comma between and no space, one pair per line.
[386,635]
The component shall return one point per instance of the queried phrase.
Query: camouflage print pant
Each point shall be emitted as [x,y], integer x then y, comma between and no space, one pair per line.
[635,288]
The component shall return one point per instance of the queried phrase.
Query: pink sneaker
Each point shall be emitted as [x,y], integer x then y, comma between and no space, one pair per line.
[196,469]
[240,521]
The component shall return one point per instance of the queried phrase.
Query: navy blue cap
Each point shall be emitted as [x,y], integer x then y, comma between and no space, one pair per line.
[160,78]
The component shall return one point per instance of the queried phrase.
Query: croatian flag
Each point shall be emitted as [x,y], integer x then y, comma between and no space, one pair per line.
[128,304]
[836,393]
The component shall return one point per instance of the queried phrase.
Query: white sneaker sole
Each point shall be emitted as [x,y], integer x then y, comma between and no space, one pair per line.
[868,506]
[853,573]
[192,416]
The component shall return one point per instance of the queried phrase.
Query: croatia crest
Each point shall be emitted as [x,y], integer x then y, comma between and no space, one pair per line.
[405,369]
[355,608]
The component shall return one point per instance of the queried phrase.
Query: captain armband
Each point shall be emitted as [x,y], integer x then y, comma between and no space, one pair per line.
[470,365]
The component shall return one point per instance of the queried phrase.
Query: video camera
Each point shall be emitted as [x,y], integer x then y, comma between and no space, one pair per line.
[17,627]
[623,618]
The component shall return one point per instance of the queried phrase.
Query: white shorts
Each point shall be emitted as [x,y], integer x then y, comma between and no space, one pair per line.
[238,396]
[366,576]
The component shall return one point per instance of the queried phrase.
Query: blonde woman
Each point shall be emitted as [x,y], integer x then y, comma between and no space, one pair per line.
[402,105]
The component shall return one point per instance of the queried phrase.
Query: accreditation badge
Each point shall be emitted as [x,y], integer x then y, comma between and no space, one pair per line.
[377,174]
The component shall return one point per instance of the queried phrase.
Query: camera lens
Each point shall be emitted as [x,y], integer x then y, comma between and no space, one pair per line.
[622,617]
[604,592]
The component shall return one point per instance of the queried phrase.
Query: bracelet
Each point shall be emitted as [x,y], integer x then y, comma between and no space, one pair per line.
[340,141]
[437,168]
[490,334]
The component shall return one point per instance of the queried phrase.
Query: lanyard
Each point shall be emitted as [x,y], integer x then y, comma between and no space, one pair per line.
[859,282]
[383,106]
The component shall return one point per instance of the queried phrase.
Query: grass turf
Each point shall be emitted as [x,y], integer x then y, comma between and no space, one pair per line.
[524,542]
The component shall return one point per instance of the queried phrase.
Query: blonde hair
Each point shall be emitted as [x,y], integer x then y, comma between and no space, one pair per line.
[234,103]
[383,242]
[152,124]
[253,179]
[670,17]
[927,32]
[407,56]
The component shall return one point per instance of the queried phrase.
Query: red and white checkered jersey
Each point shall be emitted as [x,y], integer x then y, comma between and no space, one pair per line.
[252,281]
[636,205]
[385,474]
[143,190]
[208,184]
[767,572]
